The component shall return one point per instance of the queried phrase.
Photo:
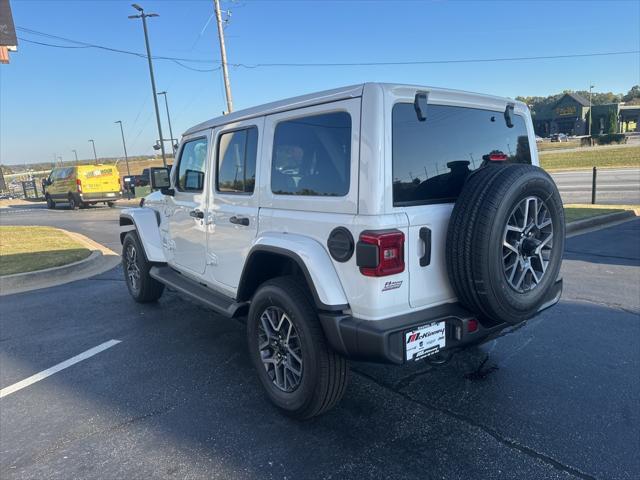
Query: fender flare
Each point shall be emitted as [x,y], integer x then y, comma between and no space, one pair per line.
[314,262]
[145,222]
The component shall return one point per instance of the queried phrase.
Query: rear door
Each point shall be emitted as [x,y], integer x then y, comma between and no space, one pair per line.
[235,199]
[99,179]
[431,160]
[186,210]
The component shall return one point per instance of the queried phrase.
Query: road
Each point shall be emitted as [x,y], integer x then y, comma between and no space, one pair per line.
[614,186]
[178,398]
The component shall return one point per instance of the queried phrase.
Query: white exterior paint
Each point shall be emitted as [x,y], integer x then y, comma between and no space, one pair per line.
[213,250]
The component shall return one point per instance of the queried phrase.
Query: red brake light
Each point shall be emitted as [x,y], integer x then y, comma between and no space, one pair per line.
[79,184]
[381,253]
[498,157]
[472,325]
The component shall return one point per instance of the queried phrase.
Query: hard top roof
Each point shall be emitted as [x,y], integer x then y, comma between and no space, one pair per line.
[351,91]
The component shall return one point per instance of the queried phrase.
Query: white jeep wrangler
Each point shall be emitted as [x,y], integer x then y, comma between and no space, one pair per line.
[377,222]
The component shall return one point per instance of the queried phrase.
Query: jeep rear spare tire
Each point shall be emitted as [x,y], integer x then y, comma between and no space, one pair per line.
[505,242]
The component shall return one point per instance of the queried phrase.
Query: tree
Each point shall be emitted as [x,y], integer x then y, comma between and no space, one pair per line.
[613,122]
[633,95]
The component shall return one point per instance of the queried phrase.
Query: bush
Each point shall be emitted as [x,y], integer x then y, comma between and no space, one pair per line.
[610,138]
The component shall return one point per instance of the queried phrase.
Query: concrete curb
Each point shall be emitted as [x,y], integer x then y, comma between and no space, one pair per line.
[99,261]
[599,221]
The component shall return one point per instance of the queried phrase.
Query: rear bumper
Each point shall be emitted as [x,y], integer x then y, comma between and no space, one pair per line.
[383,340]
[100,196]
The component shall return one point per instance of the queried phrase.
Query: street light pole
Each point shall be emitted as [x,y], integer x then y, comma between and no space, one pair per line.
[223,56]
[166,104]
[124,145]
[144,16]
[94,150]
[590,112]
[76,155]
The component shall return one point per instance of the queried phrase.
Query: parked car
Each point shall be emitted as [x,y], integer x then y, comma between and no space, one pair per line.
[82,185]
[559,137]
[339,224]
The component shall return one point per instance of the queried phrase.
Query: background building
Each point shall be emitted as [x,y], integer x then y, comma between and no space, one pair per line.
[8,39]
[570,115]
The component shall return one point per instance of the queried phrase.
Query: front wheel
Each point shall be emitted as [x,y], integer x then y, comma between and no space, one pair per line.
[50,203]
[301,374]
[142,287]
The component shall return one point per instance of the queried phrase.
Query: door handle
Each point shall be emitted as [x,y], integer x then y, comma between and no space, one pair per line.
[239,220]
[196,213]
[425,236]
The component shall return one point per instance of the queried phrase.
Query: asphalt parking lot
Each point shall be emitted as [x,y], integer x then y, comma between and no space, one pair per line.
[178,398]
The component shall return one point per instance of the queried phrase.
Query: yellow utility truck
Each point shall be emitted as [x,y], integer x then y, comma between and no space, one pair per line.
[82,185]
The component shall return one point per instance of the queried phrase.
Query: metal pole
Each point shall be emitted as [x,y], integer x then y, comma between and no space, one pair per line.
[590,112]
[593,186]
[76,155]
[95,156]
[124,145]
[223,56]
[153,81]
[166,104]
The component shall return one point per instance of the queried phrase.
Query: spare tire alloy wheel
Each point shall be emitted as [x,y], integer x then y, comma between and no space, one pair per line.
[527,244]
[280,349]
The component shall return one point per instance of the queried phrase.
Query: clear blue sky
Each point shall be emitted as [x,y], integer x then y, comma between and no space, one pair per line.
[53,100]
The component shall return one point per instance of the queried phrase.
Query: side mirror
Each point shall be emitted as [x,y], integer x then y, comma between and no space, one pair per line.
[194,180]
[160,180]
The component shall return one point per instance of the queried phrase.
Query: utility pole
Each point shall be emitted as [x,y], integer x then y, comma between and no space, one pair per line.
[76,154]
[223,56]
[590,112]
[166,104]
[95,157]
[144,16]
[124,145]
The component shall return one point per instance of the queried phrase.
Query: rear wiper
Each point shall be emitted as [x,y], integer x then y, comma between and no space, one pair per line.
[507,114]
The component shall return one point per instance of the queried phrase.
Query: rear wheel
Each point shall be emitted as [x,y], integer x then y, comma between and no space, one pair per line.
[301,374]
[73,203]
[142,287]
[111,204]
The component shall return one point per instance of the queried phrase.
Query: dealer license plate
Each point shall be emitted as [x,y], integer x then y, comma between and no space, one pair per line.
[424,341]
[111,194]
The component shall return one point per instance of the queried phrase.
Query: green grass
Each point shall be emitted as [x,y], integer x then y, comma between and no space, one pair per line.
[608,157]
[544,146]
[580,211]
[26,249]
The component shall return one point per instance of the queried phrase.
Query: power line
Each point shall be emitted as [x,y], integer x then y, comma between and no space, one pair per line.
[180,61]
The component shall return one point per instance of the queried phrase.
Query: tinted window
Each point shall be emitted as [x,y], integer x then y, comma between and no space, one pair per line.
[312,155]
[192,164]
[237,161]
[432,159]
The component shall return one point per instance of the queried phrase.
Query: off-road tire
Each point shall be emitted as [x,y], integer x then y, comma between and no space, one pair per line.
[51,205]
[147,289]
[324,373]
[474,253]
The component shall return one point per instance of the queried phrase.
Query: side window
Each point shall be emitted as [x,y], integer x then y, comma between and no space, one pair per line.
[432,159]
[191,165]
[237,153]
[312,155]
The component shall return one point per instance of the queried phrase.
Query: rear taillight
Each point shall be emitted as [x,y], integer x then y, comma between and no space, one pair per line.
[79,184]
[498,157]
[380,253]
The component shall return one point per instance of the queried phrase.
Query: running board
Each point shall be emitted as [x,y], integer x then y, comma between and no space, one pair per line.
[222,304]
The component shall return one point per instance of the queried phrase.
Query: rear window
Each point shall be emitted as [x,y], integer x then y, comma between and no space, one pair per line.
[312,156]
[432,159]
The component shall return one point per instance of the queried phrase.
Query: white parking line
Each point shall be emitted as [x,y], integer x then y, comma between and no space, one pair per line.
[56,368]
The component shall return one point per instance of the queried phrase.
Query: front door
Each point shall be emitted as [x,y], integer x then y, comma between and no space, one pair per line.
[186,211]
[235,199]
